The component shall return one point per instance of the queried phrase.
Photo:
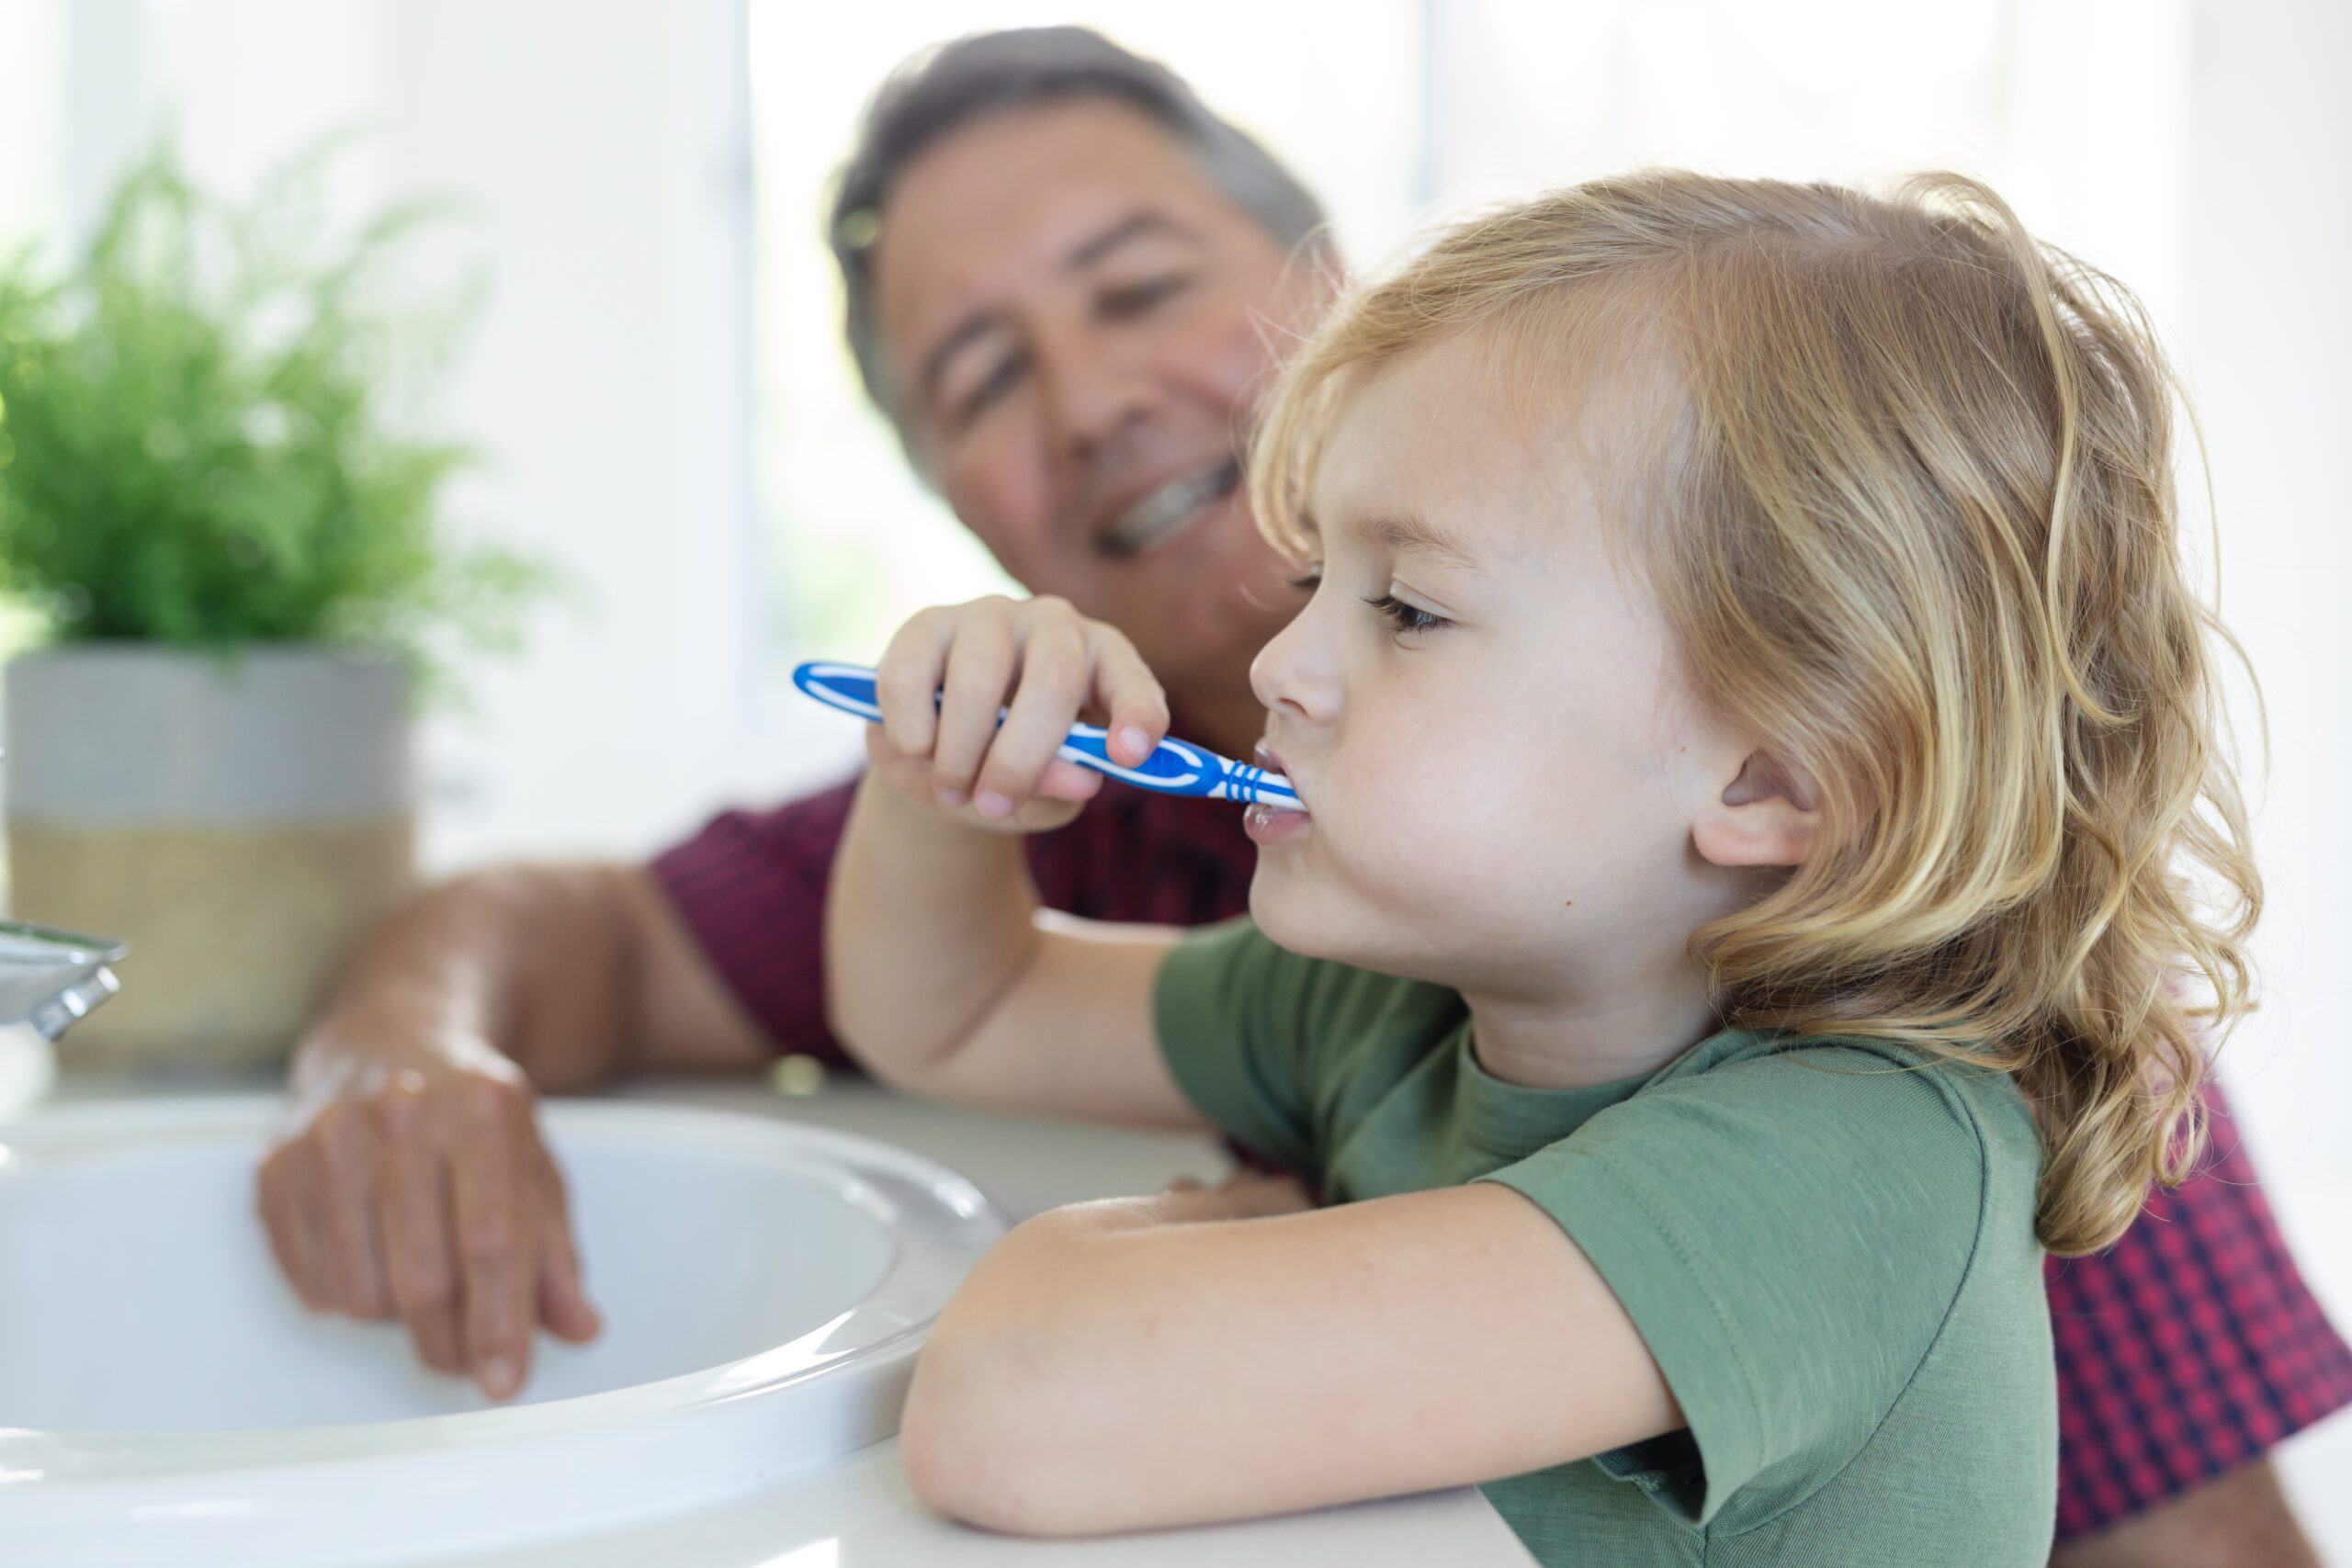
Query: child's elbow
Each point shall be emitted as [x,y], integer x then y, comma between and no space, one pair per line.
[947,1469]
[961,1442]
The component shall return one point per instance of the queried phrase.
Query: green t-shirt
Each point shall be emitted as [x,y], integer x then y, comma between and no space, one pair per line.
[1827,1245]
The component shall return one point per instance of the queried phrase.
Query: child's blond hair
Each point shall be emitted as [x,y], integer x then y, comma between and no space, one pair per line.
[1911,517]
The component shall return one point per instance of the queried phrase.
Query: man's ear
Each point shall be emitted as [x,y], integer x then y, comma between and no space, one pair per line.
[1765,817]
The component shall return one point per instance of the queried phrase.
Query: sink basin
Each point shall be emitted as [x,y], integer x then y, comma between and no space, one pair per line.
[165,1398]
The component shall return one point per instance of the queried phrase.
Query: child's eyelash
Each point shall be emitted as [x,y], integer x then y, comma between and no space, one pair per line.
[1409,617]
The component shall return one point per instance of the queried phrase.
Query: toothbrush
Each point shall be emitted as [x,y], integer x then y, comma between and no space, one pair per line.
[1174,767]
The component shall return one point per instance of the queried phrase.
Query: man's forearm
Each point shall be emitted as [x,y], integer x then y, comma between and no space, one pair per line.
[927,923]
[530,961]
[2240,1517]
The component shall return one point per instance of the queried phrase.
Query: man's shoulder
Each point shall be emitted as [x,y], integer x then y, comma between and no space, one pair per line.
[806,825]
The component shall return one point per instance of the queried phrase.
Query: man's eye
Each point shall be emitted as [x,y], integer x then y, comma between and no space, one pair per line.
[1136,298]
[994,385]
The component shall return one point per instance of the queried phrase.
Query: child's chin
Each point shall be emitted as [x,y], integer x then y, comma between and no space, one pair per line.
[1286,912]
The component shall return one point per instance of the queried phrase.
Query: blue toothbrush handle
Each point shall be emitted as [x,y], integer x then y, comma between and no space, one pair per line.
[1174,767]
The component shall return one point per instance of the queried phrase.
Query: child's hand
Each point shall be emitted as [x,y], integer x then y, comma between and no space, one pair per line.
[948,672]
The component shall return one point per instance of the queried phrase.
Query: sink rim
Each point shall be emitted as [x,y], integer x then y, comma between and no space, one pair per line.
[958,1224]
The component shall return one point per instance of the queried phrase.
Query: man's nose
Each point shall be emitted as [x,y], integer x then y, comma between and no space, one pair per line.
[1096,389]
[1295,676]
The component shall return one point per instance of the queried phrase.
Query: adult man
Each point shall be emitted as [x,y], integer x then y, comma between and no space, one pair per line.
[1065,278]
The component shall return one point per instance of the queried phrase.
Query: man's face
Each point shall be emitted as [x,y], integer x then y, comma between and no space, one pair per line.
[1078,320]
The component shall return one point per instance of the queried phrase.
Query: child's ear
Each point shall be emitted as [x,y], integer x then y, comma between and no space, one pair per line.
[1765,817]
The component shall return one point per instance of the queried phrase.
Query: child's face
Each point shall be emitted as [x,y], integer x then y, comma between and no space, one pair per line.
[1505,802]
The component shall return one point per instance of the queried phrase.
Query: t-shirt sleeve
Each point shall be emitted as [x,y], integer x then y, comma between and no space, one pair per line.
[1789,1233]
[1239,1019]
[751,888]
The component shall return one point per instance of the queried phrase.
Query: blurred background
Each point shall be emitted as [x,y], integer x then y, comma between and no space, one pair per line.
[655,374]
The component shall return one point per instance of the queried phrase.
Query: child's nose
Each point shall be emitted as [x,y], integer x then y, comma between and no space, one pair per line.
[1292,675]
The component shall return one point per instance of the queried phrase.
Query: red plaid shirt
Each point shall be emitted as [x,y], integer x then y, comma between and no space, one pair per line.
[2187,1349]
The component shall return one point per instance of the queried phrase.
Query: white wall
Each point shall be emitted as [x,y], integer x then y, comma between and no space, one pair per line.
[2268,341]
[601,150]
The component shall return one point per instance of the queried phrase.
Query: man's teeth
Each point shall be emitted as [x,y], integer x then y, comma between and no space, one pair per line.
[1164,508]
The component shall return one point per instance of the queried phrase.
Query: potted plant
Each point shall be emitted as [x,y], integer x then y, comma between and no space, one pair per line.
[233,555]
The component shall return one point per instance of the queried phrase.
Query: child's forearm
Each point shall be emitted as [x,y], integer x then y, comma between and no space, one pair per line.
[928,922]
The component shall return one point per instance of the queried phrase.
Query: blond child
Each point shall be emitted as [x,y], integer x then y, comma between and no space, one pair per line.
[1757,745]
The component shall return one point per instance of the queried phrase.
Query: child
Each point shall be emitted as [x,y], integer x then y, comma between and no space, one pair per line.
[1756,741]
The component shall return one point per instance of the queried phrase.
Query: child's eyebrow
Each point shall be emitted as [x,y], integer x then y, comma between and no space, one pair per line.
[1402,532]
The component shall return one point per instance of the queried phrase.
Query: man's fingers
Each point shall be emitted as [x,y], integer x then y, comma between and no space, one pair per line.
[346,1138]
[288,1191]
[497,1221]
[419,1259]
[563,1303]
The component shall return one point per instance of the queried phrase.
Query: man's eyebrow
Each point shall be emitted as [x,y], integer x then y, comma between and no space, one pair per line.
[1136,225]
[1402,532]
[1141,224]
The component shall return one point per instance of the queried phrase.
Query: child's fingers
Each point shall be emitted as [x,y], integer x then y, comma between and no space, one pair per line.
[1129,693]
[980,671]
[1055,678]
[1066,781]
[909,776]
[905,680]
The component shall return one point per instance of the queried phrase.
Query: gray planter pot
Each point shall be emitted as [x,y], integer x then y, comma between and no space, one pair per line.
[237,822]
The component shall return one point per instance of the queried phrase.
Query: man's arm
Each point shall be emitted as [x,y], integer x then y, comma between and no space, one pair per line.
[573,972]
[411,1179]
[2241,1518]
[2186,1352]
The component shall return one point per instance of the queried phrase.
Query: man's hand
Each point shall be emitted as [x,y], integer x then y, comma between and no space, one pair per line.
[411,1180]
[416,1185]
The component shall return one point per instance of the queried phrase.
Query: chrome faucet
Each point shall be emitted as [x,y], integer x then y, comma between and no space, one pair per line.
[51,979]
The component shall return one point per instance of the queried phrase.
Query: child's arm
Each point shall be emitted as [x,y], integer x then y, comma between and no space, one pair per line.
[1153,1361]
[942,974]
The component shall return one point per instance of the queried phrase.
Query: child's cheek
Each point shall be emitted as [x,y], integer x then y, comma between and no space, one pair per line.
[1421,822]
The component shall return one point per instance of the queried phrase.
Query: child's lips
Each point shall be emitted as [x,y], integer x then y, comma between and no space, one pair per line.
[1271,760]
[1272,824]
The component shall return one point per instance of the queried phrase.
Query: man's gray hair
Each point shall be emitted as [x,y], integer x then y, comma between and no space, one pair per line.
[945,88]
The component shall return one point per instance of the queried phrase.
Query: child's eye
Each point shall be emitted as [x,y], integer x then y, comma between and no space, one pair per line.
[1310,583]
[1409,617]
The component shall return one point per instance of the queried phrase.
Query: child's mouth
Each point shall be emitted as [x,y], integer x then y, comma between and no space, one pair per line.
[1271,824]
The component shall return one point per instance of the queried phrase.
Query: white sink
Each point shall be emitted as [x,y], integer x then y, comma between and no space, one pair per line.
[166,1399]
